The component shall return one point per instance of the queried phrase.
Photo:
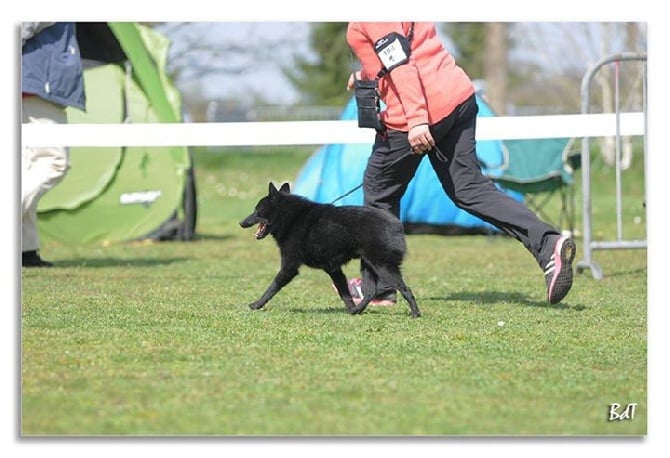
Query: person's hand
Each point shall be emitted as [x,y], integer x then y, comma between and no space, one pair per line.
[350,83]
[420,139]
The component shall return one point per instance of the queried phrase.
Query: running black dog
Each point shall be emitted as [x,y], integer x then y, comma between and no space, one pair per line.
[326,237]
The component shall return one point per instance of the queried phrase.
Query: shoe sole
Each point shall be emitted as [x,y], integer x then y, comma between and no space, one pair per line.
[561,282]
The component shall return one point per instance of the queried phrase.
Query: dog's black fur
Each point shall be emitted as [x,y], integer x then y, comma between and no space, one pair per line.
[324,236]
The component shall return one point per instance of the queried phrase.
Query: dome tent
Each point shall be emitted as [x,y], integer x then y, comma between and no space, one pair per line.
[336,169]
[115,194]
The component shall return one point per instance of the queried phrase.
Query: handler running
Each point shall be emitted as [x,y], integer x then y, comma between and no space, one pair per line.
[431,110]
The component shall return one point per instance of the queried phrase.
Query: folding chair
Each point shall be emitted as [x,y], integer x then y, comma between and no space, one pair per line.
[539,169]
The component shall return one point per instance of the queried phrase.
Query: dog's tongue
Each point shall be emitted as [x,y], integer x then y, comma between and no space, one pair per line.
[260,230]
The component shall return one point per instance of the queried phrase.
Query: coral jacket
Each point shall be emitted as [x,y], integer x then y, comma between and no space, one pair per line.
[426,89]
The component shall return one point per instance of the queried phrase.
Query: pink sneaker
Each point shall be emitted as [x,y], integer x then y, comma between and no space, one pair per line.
[386,299]
[558,271]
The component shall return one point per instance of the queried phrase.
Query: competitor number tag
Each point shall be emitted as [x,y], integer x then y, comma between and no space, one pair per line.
[392,54]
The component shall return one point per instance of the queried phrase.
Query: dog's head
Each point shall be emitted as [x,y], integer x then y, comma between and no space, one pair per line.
[265,211]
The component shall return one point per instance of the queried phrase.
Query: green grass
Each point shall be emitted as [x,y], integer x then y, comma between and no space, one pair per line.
[157,339]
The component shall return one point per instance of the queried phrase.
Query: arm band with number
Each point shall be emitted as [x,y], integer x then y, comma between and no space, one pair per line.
[393,50]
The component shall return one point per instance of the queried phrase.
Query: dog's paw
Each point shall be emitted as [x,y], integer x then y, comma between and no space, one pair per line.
[256,306]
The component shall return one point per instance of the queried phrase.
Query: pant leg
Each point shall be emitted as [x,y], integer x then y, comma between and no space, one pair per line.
[42,168]
[390,168]
[463,181]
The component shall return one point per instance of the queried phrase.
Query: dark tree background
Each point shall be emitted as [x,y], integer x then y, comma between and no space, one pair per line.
[324,81]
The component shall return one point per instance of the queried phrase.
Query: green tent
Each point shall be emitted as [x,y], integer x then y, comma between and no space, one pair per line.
[115,194]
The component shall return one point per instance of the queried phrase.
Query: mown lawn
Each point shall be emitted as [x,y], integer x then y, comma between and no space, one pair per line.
[155,339]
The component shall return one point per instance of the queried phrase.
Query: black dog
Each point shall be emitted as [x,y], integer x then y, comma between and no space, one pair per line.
[323,236]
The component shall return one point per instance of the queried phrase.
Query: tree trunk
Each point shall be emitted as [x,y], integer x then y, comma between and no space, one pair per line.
[496,65]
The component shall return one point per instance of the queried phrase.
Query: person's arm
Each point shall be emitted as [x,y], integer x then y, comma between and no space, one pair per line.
[403,79]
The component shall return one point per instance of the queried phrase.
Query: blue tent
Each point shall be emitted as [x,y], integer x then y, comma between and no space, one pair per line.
[336,169]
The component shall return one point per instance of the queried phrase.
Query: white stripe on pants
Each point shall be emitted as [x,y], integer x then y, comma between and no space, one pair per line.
[42,168]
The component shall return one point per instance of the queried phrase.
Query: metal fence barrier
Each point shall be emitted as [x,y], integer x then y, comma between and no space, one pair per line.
[588,244]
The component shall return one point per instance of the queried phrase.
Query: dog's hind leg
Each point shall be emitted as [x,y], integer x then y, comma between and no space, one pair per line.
[340,282]
[283,277]
[392,276]
[362,305]
[369,280]
[409,297]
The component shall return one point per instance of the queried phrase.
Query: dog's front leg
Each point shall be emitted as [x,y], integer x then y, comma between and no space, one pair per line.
[283,277]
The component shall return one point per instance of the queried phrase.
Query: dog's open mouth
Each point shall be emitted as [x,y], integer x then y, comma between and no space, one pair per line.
[261,231]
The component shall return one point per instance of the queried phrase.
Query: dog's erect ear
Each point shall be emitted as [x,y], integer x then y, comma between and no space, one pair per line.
[271,189]
[285,189]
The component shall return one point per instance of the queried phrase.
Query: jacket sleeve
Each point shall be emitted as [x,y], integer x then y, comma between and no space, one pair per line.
[30,29]
[404,80]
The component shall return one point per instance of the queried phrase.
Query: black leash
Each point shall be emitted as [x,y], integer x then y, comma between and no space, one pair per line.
[440,156]
[381,171]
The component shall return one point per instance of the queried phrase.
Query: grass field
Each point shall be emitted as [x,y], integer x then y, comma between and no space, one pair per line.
[156,339]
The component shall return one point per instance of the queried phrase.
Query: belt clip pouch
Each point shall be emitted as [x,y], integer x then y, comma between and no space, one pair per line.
[367,101]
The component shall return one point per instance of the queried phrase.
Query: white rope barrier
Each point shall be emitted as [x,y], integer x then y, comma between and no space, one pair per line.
[313,132]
